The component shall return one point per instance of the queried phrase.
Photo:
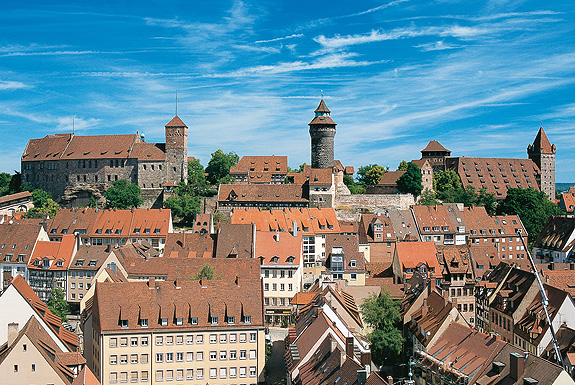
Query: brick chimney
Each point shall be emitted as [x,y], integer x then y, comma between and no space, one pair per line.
[12,332]
[516,365]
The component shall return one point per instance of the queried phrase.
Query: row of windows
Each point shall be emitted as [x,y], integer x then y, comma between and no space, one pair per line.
[168,375]
[189,338]
[80,285]
[230,320]
[180,356]
[274,286]
[276,301]
[278,273]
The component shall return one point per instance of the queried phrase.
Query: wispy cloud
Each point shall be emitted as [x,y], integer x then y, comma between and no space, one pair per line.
[12,85]
[75,123]
[292,36]
[437,46]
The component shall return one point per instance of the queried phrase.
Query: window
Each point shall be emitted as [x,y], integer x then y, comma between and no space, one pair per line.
[164,321]
[233,355]
[113,359]
[230,321]
[189,374]
[134,377]
[252,354]
[113,377]
[124,359]
[213,373]
[123,377]
[113,342]
[199,373]
[266,286]
[290,286]
[144,323]
[213,355]
[223,338]
[194,320]
[189,356]
[243,337]
[134,341]
[253,337]
[243,372]
[144,341]
[159,340]
[252,371]
[200,356]
[200,339]
[170,357]
[159,375]
[144,376]
[159,357]
[179,374]
[180,357]
[223,372]
[353,276]
[124,341]
[144,359]
[33,368]
[179,340]
[233,372]
[190,339]
[214,320]
[179,321]
[243,354]
[248,319]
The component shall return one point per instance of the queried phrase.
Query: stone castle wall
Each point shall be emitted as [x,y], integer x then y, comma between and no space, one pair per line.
[322,144]
[350,207]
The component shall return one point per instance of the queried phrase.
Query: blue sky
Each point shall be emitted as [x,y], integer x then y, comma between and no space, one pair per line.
[478,76]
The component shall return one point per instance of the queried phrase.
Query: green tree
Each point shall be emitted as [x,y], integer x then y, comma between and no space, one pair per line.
[184,206]
[427,198]
[58,305]
[43,204]
[360,175]
[487,200]
[219,167]
[206,271]
[410,182]
[402,166]
[381,312]
[373,176]
[446,180]
[353,187]
[5,179]
[299,169]
[123,195]
[533,207]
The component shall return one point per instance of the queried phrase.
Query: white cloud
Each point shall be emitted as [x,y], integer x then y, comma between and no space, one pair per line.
[71,123]
[292,36]
[12,85]
[437,46]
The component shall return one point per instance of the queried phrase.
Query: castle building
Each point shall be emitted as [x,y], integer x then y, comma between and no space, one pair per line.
[73,168]
[322,132]
[542,153]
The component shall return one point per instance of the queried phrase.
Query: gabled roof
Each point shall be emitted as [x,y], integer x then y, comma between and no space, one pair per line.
[434,145]
[278,248]
[59,254]
[14,197]
[430,217]
[176,122]
[321,177]
[428,319]
[557,234]
[190,245]
[19,238]
[86,377]
[322,107]
[390,178]
[349,245]
[273,193]
[54,356]
[413,254]
[235,241]
[259,164]
[69,339]
[541,144]
[89,257]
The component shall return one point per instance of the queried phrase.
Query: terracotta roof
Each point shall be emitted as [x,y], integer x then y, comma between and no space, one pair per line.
[390,178]
[45,346]
[303,298]
[496,175]
[278,248]
[515,287]
[428,319]
[485,256]
[86,377]
[541,144]
[466,351]
[481,225]
[189,245]
[184,298]
[176,122]
[19,239]
[434,145]
[455,259]
[148,223]
[149,151]
[567,202]
[59,254]
[561,279]
[322,121]
[322,107]
[433,219]
[69,339]
[349,245]
[14,197]
[272,193]
[321,177]
[259,164]
[89,257]
[557,234]
[404,226]
[235,241]
[308,220]
[349,170]
[421,163]
[413,254]
[350,227]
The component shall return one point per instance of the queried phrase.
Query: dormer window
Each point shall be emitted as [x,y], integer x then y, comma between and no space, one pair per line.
[124,323]
[144,322]
[108,231]
[137,231]
[194,320]
[80,262]
[179,321]
[214,320]
[118,231]
[426,228]
[60,264]
[275,260]
[290,259]
[164,321]
[98,231]
[231,320]
[93,262]
[156,231]
[247,319]
[146,231]
[353,263]
[64,231]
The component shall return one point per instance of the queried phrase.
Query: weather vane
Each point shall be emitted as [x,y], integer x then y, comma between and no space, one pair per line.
[321,93]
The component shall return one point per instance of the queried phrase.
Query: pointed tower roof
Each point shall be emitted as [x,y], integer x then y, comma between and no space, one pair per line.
[176,122]
[322,107]
[541,144]
[434,145]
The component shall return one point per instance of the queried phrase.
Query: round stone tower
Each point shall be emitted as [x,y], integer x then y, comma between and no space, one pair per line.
[322,132]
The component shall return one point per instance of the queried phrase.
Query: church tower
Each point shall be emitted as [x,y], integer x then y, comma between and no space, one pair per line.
[542,153]
[176,150]
[322,132]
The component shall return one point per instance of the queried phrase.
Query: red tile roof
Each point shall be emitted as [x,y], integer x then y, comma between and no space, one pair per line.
[69,339]
[413,254]
[541,144]
[149,151]
[236,292]
[322,120]
[19,239]
[322,107]
[272,193]
[14,197]
[320,177]
[434,145]
[86,377]
[59,254]
[567,202]
[190,245]
[281,245]
[390,178]
[308,220]
[176,122]
[430,217]
[259,164]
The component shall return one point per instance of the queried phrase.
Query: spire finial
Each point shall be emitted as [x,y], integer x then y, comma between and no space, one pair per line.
[176,102]
[321,94]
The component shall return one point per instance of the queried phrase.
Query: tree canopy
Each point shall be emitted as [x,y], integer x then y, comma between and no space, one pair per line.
[446,180]
[123,195]
[58,305]
[373,176]
[410,182]
[533,207]
[427,198]
[381,312]
[354,188]
[219,167]
[43,204]
[449,189]
[363,179]
[402,166]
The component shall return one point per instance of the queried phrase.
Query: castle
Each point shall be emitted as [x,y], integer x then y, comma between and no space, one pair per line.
[73,168]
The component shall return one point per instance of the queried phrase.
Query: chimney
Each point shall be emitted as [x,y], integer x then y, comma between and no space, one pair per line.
[366,358]
[294,228]
[152,283]
[516,365]
[349,346]
[108,248]
[204,282]
[237,280]
[12,332]
[431,286]
[551,265]
[178,283]
[361,377]
[333,345]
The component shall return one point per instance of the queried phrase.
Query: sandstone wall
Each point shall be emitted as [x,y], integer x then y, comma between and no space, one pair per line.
[350,207]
